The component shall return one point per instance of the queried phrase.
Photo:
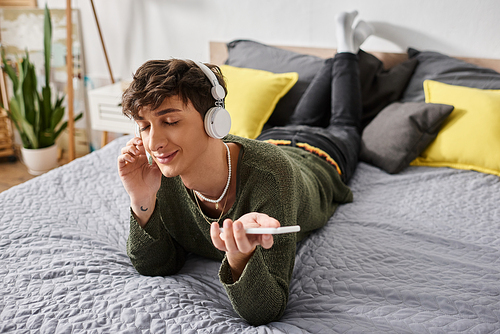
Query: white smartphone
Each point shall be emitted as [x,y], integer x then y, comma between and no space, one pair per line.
[271,230]
[138,134]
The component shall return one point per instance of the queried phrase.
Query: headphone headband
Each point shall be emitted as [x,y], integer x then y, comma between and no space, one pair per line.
[217,120]
[218,91]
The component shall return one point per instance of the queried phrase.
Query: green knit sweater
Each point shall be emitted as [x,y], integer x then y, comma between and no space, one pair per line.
[286,183]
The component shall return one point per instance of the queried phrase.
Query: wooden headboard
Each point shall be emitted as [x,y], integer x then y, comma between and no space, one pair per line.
[218,55]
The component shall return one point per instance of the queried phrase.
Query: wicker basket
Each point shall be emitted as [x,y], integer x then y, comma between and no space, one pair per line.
[6,144]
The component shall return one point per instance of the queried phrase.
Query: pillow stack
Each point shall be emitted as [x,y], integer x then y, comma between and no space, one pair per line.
[469,138]
[431,110]
[379,86]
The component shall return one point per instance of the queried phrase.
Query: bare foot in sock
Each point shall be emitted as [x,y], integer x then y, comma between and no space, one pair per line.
[361,32]
[344,31]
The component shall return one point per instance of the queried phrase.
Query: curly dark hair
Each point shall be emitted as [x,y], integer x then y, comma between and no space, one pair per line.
[156,80]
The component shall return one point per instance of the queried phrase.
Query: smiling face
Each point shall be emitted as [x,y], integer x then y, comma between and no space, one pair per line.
[174,135]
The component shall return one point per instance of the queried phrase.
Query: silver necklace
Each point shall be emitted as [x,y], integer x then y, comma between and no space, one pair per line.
[216,201]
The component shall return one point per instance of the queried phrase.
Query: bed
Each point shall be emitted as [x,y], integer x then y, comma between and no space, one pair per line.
[417,251]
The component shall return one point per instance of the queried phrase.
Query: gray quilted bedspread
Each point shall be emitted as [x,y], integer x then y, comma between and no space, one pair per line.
[417,252]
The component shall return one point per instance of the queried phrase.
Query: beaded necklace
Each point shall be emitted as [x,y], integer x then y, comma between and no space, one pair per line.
[216,201]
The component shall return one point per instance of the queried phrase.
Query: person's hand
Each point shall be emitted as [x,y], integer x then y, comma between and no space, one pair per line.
[238,245]
[141,180]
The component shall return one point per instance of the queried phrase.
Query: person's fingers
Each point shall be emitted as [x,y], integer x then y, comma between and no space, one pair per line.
[229,237]
[265,220]
[125,149]
[216,239]
[241,238]
[135,141]
[124,159]
[131,149]
[266,241]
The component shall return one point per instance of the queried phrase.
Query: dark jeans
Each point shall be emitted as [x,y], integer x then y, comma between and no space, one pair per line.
[328,116]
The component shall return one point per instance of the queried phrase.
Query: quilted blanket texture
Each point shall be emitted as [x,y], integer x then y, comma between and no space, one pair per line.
[416,252]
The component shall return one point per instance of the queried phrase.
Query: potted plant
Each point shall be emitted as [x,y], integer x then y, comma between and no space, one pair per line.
[36,115]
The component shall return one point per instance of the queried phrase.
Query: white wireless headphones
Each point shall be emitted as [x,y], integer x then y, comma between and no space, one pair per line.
[217,119]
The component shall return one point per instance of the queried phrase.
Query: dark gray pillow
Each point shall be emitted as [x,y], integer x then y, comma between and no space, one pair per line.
[250,54]
[442,68]
[400,132]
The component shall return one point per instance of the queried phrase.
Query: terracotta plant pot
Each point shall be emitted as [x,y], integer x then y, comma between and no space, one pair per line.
[41,160]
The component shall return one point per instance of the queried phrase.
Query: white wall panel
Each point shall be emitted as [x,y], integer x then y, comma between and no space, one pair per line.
[138,30]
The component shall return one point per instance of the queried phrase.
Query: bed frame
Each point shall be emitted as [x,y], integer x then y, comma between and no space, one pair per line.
[218,55]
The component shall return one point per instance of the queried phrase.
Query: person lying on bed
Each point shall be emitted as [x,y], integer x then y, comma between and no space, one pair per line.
[197,182]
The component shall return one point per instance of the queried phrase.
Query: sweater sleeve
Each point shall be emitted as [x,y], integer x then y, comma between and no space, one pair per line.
[151,249]
[261,293]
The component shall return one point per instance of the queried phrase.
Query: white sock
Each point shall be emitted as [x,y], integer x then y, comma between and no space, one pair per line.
[361,32]
[344,31]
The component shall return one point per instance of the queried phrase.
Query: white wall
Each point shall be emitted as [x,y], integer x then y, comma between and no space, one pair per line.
[137,30]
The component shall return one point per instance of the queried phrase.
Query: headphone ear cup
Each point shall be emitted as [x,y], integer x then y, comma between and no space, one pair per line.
[218,92]
[217,122]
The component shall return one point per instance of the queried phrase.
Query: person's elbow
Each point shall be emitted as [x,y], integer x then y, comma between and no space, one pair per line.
[263,319]
[147,268]
[271,310]
[155,271]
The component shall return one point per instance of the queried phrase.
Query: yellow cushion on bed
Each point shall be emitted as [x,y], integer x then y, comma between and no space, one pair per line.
[470,137]
[252,96]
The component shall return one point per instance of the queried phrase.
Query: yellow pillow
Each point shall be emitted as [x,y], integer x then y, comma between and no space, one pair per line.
[252,96]
[470,136]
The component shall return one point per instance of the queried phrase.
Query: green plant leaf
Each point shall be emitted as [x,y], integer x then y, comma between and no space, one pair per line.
[18,94]
[41,108]
[56,117]
[47,43]
[30,93]
[11,72]
[46,139]
[13,114]
[65,125]
[59,101]
[28,131]
[24,128]
[47,107]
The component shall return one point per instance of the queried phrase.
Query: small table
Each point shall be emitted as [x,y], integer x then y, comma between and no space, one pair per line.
[106,111]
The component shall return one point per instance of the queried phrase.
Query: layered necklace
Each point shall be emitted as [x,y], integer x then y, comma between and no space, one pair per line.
[216,201]
[204,217]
